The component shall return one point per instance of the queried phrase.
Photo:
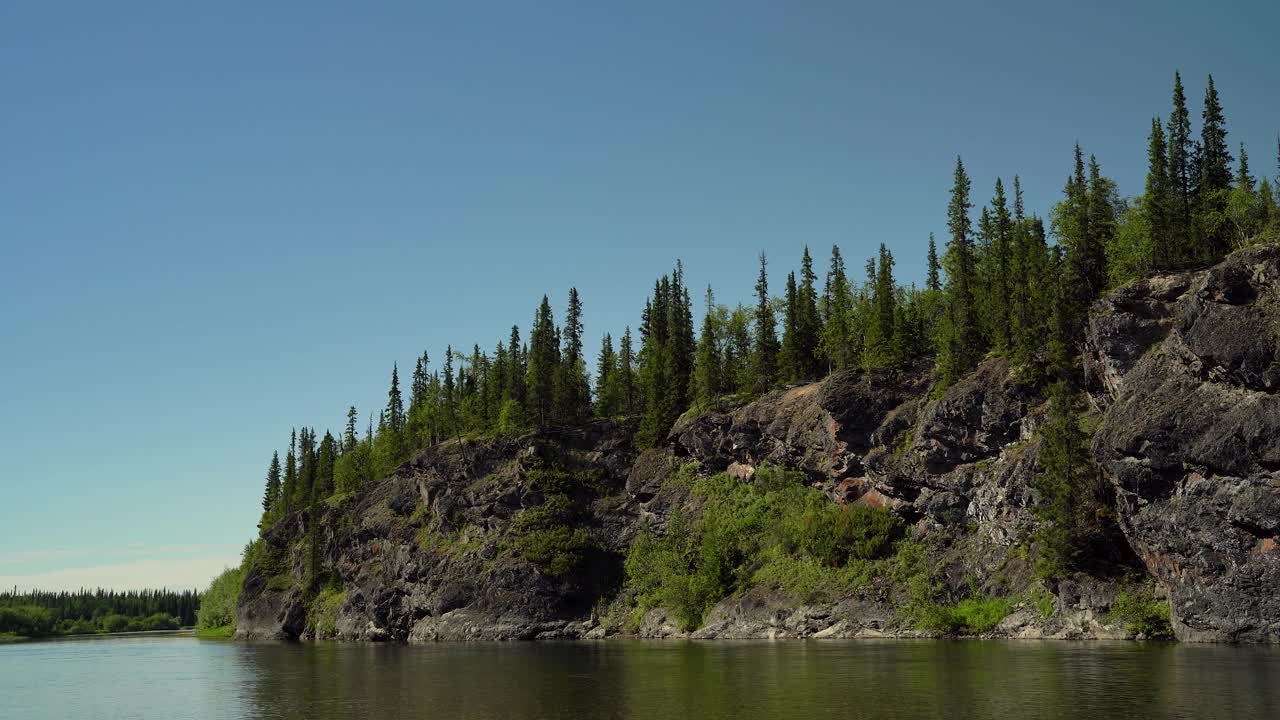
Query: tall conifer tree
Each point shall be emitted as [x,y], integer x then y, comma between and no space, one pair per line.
[962,342]
[1181,173]
[765,366]
[272,493]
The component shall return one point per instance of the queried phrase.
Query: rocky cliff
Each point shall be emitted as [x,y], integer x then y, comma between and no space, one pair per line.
[1182,373]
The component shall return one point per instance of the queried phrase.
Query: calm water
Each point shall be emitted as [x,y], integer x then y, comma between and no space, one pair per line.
[170,678]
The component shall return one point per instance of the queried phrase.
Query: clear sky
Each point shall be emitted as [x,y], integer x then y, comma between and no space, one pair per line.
[222,220]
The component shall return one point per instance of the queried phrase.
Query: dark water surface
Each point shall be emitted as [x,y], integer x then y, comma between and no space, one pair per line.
[169,678]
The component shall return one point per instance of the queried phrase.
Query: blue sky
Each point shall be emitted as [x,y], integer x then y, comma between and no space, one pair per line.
[220,222]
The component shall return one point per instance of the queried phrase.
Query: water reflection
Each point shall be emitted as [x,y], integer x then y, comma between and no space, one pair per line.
[184,678]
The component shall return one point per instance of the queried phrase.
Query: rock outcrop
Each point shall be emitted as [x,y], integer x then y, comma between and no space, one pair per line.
[1190,367]
[1182,372]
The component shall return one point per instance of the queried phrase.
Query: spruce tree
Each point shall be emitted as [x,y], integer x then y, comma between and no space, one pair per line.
[1000,261]
[306,467]
[325,459]
[349,434]
[1102,225]
[290,486]
[1215,158]
[1181,174]
[962,342]
[765,365]
[395,403]
[625,377]
[788,360]
[653,363]
[1215,176]
[572,389]
[272,494]
[837,320]
[933,280]
[879,349]
[606,400]
[1157,202]
[708,378]
[1064,450]
[516,381]
[542,364]
[678,348]
[808,322]
[449,395]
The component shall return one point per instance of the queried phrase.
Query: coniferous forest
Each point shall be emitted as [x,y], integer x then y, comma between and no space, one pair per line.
[1006,282]
[37,614]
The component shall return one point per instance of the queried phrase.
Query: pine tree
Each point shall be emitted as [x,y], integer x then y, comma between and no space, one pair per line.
[1157,202]
[1181,174]
[708,373]
[542,364]
[932,281]
[962,341]
[765,365]
[837,320]
[272,493]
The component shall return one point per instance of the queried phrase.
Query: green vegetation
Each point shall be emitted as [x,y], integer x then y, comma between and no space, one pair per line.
[40,614]
[322,615]
[1008,284]
[218,605]
[1142,614]
[772,532]
[551,535]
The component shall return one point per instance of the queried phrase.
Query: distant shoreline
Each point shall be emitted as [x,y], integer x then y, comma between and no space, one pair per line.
[12,639]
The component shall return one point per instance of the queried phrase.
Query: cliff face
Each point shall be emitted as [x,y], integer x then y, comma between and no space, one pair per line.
[1191,439]
[1181,370]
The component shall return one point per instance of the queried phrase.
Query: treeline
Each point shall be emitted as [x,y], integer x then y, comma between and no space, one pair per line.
[1000,287]
[39,613]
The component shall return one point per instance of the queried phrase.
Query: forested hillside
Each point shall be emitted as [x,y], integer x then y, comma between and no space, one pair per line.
[966,395]
[1009,284]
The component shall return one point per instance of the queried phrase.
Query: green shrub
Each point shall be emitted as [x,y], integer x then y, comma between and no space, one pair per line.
[324,611]
[115,623]
[26,621]
[551,535]
[218,603]
[771,532]
[1142,614]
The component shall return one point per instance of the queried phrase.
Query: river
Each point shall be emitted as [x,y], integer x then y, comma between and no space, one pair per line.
[167,678]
